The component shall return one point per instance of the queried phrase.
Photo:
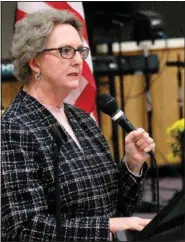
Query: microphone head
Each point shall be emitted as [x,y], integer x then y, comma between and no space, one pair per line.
[107,104]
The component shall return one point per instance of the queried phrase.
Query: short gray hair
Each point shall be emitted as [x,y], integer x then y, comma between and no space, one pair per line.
[31,34]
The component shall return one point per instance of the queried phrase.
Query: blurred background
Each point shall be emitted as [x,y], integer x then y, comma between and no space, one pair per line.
[138,57]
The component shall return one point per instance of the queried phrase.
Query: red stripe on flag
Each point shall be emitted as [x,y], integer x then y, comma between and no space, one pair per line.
[65,5]
[20,14]
[86,99]
[86,72]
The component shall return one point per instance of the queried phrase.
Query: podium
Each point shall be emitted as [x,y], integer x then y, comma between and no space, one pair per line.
[167,225]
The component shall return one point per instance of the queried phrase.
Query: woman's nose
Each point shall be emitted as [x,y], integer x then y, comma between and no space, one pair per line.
[77,59]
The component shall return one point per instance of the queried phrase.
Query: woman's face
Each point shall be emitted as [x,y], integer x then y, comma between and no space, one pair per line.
[56,71]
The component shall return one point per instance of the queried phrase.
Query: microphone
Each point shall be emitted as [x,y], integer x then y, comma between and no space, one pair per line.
[108,105]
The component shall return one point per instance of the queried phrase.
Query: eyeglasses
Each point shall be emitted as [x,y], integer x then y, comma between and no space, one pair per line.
[68,52]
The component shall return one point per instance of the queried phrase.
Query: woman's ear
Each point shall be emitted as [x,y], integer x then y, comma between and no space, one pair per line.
[34,64]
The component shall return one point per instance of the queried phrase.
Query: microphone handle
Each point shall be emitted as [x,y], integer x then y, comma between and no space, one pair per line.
[120,118]
[127,126]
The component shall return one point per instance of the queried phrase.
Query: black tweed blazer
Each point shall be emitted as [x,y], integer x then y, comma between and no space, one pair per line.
[93,188]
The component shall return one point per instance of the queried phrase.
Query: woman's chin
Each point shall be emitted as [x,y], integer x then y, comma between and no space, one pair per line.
[74,84]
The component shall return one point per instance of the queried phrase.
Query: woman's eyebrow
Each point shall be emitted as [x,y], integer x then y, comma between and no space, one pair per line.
[80,46]
[68,45]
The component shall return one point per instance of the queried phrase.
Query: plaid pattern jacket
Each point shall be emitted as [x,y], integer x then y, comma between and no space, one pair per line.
[93,188]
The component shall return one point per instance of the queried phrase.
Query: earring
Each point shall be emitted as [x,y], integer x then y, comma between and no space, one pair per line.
[37,76]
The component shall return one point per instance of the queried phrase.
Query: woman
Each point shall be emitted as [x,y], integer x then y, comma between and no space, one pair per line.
[97,198]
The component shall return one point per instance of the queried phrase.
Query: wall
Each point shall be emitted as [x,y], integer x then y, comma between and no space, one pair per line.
[8,19]
[100,29]
[173,14]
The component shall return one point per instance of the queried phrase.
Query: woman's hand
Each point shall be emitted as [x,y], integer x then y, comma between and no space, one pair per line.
[137,144]
[125,223]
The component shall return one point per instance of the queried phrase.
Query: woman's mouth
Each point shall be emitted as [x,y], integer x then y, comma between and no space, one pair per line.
[73,74]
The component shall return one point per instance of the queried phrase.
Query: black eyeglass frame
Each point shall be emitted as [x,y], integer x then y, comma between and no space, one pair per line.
[75,50]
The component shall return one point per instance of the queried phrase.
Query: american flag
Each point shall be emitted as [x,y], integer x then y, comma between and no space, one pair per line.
[85,96]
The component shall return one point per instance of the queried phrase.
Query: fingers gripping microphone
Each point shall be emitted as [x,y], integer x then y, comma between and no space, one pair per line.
[109,106]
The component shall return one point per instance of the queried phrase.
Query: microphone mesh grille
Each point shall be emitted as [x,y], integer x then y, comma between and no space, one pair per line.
[107,104]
